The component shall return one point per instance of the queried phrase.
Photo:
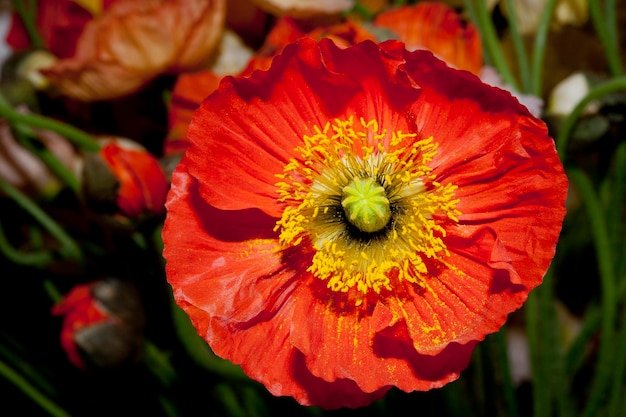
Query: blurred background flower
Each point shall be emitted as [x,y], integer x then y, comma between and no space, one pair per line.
[102,323]
[134,41]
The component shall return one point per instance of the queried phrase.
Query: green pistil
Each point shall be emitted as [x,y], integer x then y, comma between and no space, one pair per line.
[366,205]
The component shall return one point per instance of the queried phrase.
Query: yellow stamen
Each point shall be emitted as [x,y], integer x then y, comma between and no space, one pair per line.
[368,202]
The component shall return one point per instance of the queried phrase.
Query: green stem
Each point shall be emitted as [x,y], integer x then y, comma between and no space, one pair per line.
[76,136]
[539,316]
[617,203]
[539,48]
[168,407]
[38,259]
[575,355]
[520,49]
[456,401]
[479,393]
[229,400]
[616,213]
[500,347]
[602,244]
[361,10]
[33,393]
[617,384]
[52,291]
[565,131]
[492,44]
[69,248]
[606,28]
[158,364]
[28,14]
[9,348]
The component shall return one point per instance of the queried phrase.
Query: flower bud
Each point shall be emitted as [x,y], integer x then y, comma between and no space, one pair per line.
[102,323]
[124,178]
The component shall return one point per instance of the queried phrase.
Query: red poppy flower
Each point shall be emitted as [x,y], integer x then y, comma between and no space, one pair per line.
[439,28]
[359,218]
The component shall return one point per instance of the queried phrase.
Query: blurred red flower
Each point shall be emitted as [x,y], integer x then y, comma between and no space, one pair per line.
[188,92]
[440,29]
[102,323]
[80,310]
[134,41]
[359,218]
[136,184]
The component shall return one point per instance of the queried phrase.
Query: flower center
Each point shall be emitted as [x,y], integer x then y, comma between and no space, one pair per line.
[365,204]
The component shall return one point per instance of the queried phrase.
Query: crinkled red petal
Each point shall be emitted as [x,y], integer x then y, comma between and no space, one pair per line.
[342,341]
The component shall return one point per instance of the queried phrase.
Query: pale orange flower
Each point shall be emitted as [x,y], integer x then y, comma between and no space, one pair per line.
[134,41]
[438,28]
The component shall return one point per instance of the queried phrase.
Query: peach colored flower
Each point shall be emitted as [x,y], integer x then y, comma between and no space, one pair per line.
[134,41]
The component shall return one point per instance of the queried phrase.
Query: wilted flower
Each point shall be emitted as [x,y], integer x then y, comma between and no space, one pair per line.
[102,323]
[134,41]
[359,218]
[123,177]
